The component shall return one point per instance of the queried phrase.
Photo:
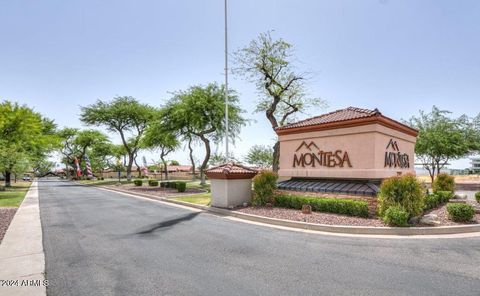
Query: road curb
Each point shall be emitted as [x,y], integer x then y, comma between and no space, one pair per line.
[363,230]
[21,253]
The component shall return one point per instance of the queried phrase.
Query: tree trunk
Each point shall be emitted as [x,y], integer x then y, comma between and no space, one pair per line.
[276,157]
[165,167]
[129,167]
[205,160]
[139,171]
[432,174]
[67,173]
[8,177]
[191,158]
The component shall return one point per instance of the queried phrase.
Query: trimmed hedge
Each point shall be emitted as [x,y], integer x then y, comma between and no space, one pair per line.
[477,196]
[330,205]
[396,216]
[460,212]
[264,185]
[152,183]
[181,186]
[443,182]
[138,182]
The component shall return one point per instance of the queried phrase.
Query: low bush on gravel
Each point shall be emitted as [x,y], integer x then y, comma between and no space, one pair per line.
[138,182]
[181,186]
[405,191]
[444,182]
[434,200]
[153,183]
[264,185]
[396,216]
[460,212]
[477,196]
[331,205]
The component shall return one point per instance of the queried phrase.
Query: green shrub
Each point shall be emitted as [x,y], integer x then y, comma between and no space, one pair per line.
[477,196]
[330,205]
[444,195]
[396,216]
[152,183]
[181,186]
[163,184]
[264,185]
[138,182]
[460,212]
[434,200]
[431,201]
[443,182]
[404,191]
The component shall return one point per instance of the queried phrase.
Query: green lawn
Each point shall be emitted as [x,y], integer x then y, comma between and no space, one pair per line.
[199,199]
[196,185]
[13,196]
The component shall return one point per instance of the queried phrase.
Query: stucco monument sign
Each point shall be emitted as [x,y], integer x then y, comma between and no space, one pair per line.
[348,148]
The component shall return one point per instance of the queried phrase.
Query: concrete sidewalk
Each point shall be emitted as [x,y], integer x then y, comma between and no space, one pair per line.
[22,259]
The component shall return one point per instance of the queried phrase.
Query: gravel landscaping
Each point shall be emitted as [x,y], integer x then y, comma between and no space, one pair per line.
[157,191]
[334,219]
[442,214]
[6,216]
[314,217]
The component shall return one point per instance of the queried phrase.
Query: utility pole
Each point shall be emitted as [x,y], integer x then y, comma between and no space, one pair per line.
[227,156]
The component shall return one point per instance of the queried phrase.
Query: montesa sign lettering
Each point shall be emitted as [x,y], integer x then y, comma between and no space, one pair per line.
[316,157]
[396,158]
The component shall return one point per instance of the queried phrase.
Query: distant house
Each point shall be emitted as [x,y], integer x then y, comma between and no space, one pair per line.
[475,164]
[179,168]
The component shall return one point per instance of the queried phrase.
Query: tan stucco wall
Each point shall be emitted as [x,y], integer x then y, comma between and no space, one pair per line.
[365,145]
[230,193]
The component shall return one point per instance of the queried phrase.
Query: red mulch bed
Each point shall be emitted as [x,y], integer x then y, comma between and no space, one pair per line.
[442,214]
[6,216]
[314,217]
[335,219]
[157,191]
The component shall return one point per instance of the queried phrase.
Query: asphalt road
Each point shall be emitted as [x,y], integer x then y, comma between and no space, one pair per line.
[103,243]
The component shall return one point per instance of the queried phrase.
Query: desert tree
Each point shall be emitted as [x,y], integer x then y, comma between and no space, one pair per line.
[269,63]
[125,116]
[260,155]
[200,112]
[165,141]
[442,139]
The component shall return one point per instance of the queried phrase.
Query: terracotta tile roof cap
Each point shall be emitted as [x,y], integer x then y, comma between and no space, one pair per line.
[232,168]
[231,171]
[335,116]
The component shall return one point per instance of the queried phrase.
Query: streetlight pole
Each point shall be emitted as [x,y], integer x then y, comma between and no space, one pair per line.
[227,156]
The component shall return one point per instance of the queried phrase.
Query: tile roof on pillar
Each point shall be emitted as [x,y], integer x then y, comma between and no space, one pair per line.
[342,118]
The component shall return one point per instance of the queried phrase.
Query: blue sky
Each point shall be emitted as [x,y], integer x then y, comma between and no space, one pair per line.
[396,55]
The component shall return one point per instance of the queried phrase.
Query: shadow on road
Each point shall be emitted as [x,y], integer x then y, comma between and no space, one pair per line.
[169,223]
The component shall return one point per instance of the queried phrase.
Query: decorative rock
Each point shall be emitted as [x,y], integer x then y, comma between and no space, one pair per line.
[430,219]
[306,209]
[456,200]
[414,220]
[245,204]
[461,196]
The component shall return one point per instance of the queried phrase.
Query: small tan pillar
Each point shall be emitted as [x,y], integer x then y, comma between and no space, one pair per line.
[230,184]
